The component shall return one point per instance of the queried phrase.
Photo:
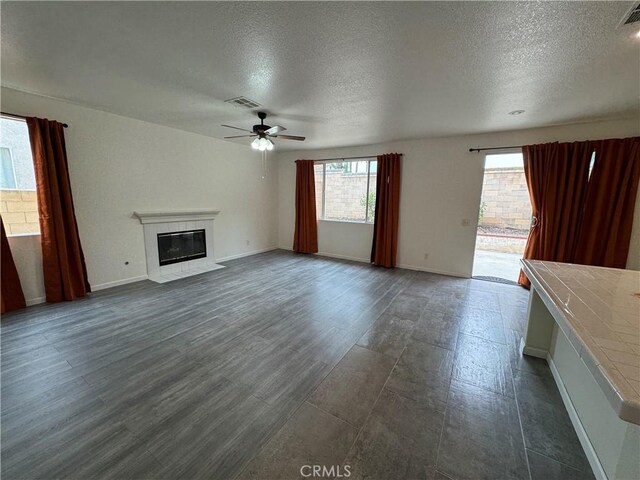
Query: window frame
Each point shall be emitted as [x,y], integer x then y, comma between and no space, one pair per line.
[13,170]
[367,220]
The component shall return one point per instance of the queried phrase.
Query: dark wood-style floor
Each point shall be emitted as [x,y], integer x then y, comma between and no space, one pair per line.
[277,362]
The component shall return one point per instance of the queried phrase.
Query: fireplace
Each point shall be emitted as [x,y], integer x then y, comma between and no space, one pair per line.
[176,247]
[178,244]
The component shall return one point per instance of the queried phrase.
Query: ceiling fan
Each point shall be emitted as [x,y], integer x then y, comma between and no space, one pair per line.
[262,133]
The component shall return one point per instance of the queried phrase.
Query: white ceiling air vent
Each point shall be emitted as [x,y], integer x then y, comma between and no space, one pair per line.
[242,102]
[633,16]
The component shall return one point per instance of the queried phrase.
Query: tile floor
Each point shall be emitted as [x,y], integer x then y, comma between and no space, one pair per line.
[277,362]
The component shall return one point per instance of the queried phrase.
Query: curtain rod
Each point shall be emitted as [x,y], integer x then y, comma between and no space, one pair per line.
[494,148]
[22,117]
[347,158]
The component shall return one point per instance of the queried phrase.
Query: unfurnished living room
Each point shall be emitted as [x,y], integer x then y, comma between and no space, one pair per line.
[305,240]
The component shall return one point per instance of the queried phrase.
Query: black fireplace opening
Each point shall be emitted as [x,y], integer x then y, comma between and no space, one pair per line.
[175,247]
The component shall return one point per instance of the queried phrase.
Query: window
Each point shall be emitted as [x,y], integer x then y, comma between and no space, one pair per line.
[18,202]
[346,191]
[7,172]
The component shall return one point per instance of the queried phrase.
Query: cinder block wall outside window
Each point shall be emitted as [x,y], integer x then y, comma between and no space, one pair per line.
[505,199]
[19,209]
[345,196]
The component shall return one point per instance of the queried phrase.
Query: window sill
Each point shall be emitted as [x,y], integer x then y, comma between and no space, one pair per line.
[345,221]
[20,235]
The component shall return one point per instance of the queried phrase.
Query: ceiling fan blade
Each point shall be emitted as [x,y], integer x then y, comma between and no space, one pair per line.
[241,136]
[275,130]
[291,137]
[237,128]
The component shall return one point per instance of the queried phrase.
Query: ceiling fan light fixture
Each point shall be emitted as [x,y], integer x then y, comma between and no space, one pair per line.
[262,144]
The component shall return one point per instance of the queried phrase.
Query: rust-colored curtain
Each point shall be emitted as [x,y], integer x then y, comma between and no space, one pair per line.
[305,237]
[385,228]
[605,230]
[65,272]
[11,296]
[557,175]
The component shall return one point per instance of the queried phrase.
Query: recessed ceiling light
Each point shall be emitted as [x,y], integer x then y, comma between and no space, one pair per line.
[516,112]
[638,34]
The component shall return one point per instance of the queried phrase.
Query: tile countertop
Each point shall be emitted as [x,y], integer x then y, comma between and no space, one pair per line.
[598,312]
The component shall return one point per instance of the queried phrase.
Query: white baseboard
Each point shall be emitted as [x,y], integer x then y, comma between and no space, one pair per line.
[94,288]
[344,257]
[406,267]
[246,254]
[532,351]
[433,270]
[36,301]
[589,451]
[330,255]
[116,283]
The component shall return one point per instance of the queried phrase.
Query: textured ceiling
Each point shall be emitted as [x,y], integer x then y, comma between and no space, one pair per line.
[340,73]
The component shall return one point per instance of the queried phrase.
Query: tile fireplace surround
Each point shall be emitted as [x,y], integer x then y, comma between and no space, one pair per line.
[157,222]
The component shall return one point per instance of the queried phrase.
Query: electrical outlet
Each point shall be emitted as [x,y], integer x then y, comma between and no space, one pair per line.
[248,243]
[426,256]
[466,222]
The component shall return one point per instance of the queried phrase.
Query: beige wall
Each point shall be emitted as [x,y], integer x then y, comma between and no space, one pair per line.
[441,186]
[19,209]
[118,165]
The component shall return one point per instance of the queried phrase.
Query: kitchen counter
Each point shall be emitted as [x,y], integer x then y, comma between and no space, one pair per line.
[586,322]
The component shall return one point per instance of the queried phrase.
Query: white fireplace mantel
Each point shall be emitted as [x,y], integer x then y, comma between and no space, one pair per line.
[175,216]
